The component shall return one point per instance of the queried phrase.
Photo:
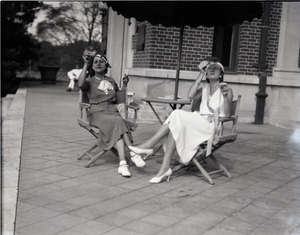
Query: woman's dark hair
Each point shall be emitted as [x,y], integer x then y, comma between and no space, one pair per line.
[210,59]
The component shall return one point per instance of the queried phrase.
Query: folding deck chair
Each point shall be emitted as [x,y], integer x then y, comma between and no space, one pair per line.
[84,122]
[224,133]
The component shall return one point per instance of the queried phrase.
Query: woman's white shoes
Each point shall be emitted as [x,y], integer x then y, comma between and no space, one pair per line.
[137,159]
[123,169]
[141,151]
[157,180]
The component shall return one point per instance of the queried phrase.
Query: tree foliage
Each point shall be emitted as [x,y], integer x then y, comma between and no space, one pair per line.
[70,22]
[17,43]
[18,46]
[65,56]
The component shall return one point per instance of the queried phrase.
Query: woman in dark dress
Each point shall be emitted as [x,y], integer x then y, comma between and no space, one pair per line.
[101,91]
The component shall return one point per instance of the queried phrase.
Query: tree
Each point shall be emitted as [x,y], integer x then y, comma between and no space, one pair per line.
[65,56]
[18,46]
[70,22]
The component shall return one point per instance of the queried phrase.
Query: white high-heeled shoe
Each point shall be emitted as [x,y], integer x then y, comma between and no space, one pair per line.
[137,159]
[141,151]
[159,179]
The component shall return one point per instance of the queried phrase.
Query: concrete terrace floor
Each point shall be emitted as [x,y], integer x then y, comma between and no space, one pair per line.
[57,195]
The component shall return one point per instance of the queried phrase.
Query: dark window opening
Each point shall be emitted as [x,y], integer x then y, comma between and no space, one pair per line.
[140,39]
[225,45]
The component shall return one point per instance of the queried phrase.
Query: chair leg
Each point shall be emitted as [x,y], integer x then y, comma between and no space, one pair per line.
[129,162]
[178,167]
[95,158]
[128,159]
[115,152]
[87,152]
[221,167]
[98,155]
[203,171]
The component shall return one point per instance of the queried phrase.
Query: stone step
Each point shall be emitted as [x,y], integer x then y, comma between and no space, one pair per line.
[5,104]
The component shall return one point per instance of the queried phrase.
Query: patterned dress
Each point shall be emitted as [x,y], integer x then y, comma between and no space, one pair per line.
[190,129]
[103,113]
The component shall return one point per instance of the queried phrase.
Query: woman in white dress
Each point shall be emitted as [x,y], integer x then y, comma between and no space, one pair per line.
[185,130]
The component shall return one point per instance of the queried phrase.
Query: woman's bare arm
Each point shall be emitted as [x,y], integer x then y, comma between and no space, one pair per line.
[228,96]
[196,85]
[82,75]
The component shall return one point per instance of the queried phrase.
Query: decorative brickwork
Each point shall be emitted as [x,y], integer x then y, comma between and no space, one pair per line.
[161,45]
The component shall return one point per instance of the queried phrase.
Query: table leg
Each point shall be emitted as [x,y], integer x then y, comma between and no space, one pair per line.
[173,106]
[161,122]
[181,106]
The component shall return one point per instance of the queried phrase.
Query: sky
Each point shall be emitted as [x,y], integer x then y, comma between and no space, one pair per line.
[40,16]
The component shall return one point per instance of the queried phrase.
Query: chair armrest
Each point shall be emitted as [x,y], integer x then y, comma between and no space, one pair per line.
[83,123]
[227,119]
[225,138]
[84,105]
[133,105]
[83,114]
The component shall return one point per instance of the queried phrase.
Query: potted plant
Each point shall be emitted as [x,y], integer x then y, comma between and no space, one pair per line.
[49,66]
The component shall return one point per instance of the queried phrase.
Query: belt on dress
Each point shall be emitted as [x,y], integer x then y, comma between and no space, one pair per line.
[103,103]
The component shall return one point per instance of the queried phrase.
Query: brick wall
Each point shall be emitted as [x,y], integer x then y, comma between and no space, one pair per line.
[161,45]
[273,38]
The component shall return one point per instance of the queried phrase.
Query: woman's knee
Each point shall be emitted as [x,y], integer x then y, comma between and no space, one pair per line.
[175,114]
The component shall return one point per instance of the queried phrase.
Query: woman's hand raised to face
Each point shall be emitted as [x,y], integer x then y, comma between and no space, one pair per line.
[87,53]
[224,88]
[203,65]
[85,58]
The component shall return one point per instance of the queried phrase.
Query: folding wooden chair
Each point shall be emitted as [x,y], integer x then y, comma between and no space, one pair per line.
[84,122]
[221,137]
